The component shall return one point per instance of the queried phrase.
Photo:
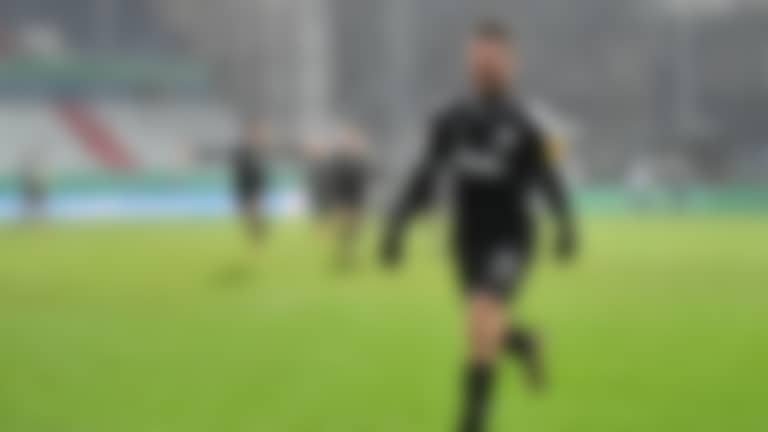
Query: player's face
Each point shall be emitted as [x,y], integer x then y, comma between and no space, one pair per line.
[492,63]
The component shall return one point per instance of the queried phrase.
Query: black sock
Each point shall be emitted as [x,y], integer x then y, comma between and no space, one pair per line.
[519,341]
[478,384]
[523,344]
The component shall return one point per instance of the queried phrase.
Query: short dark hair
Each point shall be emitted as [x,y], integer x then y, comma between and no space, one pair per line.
[492,29]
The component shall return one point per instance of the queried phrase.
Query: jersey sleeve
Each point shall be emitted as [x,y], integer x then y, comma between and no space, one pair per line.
[419,188]
[547,176]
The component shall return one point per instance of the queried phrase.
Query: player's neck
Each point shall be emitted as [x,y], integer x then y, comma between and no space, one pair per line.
[493,96]
[493,92]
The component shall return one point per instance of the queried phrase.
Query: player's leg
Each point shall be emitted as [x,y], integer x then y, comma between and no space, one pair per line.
[350,233]
[33,198]
[348,221]
[485,327]
[520,340]
[258,217]
[493,274]
[320,207]
[524,344]
[250,213]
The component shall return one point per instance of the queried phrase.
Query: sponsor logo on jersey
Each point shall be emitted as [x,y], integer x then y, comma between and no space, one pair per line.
[490,160]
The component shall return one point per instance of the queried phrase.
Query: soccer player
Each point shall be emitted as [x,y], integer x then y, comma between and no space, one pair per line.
[33,187]
[348,175]
[495,156]
[248,162]
[316,164]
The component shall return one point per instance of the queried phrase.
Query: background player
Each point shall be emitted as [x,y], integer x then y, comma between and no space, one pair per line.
[249,176]
[495,155]
[348,177]
[33,186]
[316,160]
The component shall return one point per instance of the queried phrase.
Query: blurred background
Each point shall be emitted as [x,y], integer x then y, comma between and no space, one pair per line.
[664,96]
[120,110]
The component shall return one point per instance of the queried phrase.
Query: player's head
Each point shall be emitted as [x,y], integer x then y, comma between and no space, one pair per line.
[491,56]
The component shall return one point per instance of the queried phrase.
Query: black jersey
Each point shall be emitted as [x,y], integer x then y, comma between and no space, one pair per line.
[348,180]
[495,156]
[248,169]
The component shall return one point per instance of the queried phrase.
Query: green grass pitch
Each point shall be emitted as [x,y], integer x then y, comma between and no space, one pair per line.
[662,325]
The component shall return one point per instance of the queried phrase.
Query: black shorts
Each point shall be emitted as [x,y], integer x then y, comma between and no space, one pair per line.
[350,199]
[248,194]
[492,265]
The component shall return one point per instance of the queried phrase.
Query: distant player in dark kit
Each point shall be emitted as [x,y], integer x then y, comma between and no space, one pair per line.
[316,165]
[348,177]
[33,187]
[495,156]
[249,177]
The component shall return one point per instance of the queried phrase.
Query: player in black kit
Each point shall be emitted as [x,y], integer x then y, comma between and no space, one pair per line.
[248,162]
[348,178]
[495,156]
[33,187]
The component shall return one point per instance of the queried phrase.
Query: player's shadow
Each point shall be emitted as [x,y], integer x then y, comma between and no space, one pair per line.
[232,276]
